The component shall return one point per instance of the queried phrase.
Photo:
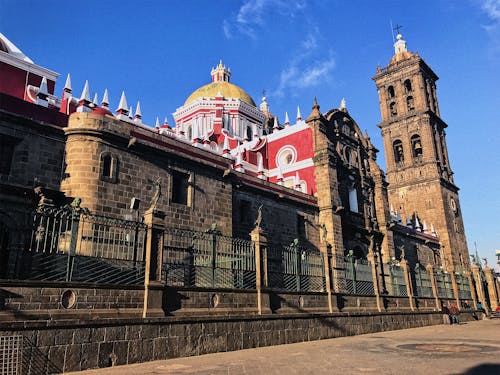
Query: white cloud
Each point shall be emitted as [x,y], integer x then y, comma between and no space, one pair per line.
[492,9]
[251,16]
[309,66]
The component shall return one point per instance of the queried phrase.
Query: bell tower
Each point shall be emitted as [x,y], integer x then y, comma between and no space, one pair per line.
[418,168]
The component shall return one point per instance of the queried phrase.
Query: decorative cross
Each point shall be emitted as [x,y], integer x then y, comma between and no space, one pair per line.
[398,28]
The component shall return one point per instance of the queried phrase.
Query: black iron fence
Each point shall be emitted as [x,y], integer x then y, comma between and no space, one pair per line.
[444,285]
[423,282]
[358,276]
[207,259]
[295,268]
[463,287]
[71,244]
[397,281]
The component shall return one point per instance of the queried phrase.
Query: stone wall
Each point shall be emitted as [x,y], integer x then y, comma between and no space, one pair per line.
[42,300]
[77,345]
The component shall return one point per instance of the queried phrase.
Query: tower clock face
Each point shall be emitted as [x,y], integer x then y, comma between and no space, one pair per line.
[453,205]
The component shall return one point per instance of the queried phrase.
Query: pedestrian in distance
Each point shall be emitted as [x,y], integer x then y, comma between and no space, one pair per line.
[454,312]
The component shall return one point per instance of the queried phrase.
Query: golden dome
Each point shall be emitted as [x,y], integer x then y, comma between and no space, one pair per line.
[227,90]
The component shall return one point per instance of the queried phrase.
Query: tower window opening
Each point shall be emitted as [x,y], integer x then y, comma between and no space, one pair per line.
[109,168]
[398,151]
[353,199]
[410,104]
[249,133]
[416,146]
[392,109]
[407,85]
[180,187]
[390,92]
[7,146]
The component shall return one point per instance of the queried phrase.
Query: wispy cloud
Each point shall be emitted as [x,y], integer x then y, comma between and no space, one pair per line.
[309,67]
[251,15]
[492,10]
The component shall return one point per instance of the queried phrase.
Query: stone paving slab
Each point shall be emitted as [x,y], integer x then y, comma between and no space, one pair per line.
[471,348]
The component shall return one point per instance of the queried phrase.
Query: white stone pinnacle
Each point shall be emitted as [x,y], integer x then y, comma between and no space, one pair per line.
[105,99]
[85,93]
[43,87]
[67,85]
[138,110]
[123,103]
[299,115]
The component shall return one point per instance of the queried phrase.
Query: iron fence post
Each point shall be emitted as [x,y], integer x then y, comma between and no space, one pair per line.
[75,221]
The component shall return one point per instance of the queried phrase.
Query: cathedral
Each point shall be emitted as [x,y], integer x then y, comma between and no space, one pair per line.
[316,176]
[228,229]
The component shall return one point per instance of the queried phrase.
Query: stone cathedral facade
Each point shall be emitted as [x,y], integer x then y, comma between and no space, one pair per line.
[315,177]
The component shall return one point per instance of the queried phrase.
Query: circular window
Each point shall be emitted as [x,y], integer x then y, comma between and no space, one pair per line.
[68,299]
[214,300]
[286,156]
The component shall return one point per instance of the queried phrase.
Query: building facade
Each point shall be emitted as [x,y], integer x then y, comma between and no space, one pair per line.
[314,179]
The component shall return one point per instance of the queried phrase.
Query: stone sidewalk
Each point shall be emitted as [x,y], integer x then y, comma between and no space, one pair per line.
[470,348]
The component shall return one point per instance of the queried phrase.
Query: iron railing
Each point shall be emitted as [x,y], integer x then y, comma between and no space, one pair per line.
[444,285]
[397,280]
[70,244]
[11,355]
[207,259]
[423,282]
[358,276]
[463,287]
[295,268]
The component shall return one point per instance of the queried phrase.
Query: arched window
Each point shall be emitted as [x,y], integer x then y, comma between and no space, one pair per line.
[353,199]
[390,92]
[392,109]
[409,103]
[416,146]
[407,84]
[398,151]
[108,167]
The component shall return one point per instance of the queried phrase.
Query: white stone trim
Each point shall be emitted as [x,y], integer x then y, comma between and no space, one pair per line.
[306,163]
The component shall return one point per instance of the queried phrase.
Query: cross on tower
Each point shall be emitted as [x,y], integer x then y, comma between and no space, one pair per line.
[397,28]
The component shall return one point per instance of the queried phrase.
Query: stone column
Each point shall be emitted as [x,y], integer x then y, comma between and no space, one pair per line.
[472,289]
[327,255]
[153,263]
[409,289]
[372,260]
[429,269]
[455,288]
[261,280]
[492,290]
[476,272]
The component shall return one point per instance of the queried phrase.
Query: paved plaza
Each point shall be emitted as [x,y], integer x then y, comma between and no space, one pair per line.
[470,348]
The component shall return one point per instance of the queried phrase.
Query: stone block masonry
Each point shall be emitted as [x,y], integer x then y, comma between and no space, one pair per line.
[58,346]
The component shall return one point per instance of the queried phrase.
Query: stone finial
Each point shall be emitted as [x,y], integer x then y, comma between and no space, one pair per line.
[297,181]
[287,121]
[400,45]
[85,92]
[138,114]
[122,106]
[299,115]
[130,112]
[42,93]
[105,99]
[157,123]
[315,113]
[67,85]
[280,177]
[260,169]
[275,125]
[225,148]
[342,106]
[95,102]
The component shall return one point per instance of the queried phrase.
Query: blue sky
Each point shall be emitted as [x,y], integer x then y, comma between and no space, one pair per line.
[161,51]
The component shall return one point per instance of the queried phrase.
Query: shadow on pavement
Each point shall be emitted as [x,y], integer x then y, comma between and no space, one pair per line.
[484,369]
